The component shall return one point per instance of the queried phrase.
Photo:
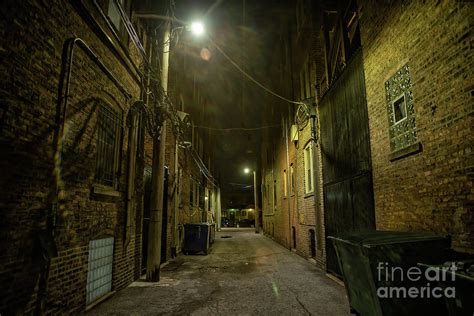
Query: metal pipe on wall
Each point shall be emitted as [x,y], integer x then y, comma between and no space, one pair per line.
[68,57]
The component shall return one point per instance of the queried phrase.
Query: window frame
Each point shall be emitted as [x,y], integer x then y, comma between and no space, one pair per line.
[119,29]
[401,96]
[116,122]
[308,168]
[292,180]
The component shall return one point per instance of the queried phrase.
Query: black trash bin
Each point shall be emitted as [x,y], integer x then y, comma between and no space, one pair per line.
[212,233]
[374,266]
[196,238]
[457,284]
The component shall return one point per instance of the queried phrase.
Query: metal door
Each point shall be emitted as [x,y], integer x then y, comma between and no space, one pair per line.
[347,170]
[99,272]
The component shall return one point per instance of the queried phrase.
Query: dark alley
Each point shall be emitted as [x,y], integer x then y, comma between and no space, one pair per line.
[244,274]
[236,157]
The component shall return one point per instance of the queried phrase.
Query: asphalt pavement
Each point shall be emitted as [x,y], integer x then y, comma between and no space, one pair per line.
[244,274]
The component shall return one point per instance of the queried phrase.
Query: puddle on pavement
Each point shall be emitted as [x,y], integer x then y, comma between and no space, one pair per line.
[164,281]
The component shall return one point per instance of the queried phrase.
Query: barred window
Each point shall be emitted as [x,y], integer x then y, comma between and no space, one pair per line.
[108,146]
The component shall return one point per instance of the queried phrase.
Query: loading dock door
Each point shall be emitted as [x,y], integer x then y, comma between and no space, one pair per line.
[347,168]
[99,272]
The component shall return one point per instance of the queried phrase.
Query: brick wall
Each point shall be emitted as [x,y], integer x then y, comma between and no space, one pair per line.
[296,210]
[33,36]
[431,190]
[305,218]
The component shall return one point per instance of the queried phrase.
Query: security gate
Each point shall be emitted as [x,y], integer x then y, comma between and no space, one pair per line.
[99,273]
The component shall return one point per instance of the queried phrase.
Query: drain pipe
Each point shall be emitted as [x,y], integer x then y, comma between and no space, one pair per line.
[57,190]
[132,155]
[65,81]
[316,178]
[174,241]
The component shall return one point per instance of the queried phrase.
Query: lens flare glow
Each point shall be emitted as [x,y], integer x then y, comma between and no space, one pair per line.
[197,28]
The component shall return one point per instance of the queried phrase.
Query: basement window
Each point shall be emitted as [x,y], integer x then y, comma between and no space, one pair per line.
[108,146]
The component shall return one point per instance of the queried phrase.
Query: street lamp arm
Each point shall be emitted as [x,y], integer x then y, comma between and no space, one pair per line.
[151,16]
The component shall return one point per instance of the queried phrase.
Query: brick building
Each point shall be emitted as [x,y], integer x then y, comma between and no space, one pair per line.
[422,181]
[391,145]
[77,154]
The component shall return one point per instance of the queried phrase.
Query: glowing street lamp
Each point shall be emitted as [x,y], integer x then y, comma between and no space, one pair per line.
[197,28]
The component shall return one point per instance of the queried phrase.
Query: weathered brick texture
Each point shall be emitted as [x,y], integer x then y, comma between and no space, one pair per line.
[33,36]
[432,190]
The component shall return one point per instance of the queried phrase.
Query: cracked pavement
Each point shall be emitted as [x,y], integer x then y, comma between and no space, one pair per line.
[248,274]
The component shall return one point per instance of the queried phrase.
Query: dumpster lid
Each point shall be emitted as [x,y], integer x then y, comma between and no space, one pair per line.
[198,224]
[376,238]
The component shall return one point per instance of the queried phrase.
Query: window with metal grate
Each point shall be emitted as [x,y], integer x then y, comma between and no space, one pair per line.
[108,145]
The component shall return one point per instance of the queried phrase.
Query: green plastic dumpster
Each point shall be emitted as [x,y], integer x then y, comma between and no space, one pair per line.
[376,270]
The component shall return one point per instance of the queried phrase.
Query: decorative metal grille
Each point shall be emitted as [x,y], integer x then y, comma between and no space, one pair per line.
[402,130]
[107,144]
[99,272]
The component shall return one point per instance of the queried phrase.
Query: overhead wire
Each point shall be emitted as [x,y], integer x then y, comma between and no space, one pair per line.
[237,128]
[249,76]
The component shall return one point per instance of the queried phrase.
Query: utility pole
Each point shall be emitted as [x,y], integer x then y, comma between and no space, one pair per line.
[158,176]
[255,198]
[174,239]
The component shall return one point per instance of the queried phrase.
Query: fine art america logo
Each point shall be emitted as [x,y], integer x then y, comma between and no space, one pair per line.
[432,276]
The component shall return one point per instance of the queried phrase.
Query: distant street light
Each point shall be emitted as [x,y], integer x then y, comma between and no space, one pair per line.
[197,28]
[257,224]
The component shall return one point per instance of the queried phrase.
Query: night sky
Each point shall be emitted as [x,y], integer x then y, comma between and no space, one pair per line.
[244,31]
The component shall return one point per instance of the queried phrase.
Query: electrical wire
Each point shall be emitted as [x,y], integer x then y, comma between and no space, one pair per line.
[237,128]
[249,76]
